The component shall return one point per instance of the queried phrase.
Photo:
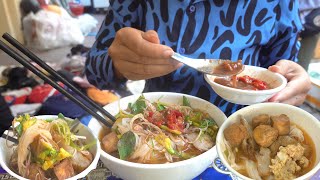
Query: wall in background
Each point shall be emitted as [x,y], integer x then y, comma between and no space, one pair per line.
[10,18]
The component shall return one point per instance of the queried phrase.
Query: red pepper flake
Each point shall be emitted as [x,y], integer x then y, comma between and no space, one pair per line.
[172,118]
[154,120]
[175,120]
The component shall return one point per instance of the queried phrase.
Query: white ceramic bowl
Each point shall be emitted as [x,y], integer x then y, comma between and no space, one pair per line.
[300,117]
[248,97]
[182,170]
[6,152]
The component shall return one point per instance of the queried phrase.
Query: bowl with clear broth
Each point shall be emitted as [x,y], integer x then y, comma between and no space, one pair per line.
[164,132]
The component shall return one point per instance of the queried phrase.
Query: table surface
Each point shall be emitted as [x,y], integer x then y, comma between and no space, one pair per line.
[101,172]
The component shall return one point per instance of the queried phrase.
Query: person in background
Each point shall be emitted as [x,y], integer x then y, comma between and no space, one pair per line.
[137,39]
[310,18]
[5,115]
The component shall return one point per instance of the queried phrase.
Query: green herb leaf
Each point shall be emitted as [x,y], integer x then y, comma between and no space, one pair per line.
[26,117]
[126,145]
[138,106]
[197,117]
[49,120]
[211,122]
[61,116]
[129,106]
[19,129]
[185,101]
[207,122]
[160,107]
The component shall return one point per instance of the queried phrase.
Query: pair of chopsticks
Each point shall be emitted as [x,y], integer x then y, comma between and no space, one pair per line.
[107,119]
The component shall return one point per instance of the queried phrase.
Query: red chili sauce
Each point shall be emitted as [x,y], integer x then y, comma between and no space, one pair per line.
[172,118]
[243,82]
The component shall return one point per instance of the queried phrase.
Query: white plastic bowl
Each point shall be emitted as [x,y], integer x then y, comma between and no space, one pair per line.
[298,116]
[182,170]
[248,97]
[6,152]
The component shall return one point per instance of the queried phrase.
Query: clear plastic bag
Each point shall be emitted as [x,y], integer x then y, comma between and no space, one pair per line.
[47,30]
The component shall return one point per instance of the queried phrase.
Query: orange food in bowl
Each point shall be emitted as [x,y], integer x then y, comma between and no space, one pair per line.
[102,97]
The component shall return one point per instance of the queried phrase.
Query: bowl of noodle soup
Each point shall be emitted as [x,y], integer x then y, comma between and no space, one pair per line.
[86,157]
[160,158]
[270,141]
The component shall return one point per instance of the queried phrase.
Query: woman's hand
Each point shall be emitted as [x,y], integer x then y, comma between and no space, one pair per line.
[298,83]
[139,55]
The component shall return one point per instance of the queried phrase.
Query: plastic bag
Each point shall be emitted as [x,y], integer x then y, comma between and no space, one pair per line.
[47,30]
[87,23]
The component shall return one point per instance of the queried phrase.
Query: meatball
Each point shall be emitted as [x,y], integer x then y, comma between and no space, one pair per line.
[109,142]
[265,135]
[235,134]
[281,123]
[260,119]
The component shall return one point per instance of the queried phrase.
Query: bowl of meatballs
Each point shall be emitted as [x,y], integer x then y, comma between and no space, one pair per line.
[270,141]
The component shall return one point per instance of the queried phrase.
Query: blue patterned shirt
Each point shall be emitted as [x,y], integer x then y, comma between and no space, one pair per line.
[258,32]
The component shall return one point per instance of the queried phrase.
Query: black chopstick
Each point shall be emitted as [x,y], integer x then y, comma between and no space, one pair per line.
[44,65]
[33,69]
[9,138]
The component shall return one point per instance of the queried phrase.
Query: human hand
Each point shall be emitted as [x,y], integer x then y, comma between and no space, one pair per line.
[298,83]
[139,55]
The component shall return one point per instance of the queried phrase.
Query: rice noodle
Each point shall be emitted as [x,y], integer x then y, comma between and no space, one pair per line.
[39,128]
[150,106]
[231,157]
[168,156]
[185,109]
[177,140]
[144,122]
[263,161]
[191,137]
[140,153]
[134,118]
[152,125]
[252,169]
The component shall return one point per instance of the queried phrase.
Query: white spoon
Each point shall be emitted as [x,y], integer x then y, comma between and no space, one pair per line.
[216,67]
